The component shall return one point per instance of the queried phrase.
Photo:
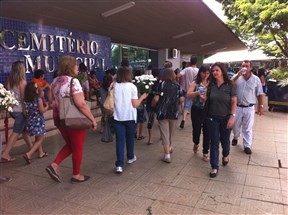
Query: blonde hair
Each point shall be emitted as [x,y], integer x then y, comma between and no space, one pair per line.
[18,73]
[66,66]
[169,74]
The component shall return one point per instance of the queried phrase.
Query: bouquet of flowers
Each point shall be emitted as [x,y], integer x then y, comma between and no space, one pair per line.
[7,99]
[144,83]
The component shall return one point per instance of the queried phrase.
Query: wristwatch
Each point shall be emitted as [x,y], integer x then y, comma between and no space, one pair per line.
[233,114]
[261,106]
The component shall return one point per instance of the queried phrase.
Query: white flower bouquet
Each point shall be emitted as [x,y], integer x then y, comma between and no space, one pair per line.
[144,83]
[7,99]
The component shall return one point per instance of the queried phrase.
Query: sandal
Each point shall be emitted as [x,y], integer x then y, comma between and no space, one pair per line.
[6,160]
[213,173]
[28,160]
[44,155]
[205,157]
[195,148]
[140,138]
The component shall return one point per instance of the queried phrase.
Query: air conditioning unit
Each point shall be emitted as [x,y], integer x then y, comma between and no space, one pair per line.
[173,53]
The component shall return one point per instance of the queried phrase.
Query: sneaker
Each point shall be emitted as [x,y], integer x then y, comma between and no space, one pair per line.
[119,169]
[132,160]
[182,124]
[166,159]
[247,150]
[234,142]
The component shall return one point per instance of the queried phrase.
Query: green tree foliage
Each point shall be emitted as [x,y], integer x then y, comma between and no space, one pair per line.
[260,24]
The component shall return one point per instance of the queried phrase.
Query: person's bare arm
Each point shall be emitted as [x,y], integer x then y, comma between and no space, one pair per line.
[41,107]
[137,102]
[191,94]
[22,86]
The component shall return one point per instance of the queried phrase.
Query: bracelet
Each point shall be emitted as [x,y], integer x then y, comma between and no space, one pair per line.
[261,106]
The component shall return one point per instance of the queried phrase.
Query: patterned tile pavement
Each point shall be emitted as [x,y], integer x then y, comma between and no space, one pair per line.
[254,184]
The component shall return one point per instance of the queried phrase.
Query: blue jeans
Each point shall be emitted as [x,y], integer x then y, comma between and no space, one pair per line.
[124,131]
[218,132]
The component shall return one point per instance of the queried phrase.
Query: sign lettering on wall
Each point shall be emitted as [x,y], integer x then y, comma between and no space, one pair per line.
[41,46]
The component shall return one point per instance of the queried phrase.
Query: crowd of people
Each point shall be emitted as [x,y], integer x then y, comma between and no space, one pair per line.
[217,102]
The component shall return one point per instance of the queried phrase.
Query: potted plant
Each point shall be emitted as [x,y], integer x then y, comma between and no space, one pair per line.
[278,88]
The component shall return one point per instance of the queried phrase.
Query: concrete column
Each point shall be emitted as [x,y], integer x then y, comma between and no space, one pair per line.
[163,56]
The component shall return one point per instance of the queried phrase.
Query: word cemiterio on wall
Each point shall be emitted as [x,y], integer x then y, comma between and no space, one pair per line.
[33,42]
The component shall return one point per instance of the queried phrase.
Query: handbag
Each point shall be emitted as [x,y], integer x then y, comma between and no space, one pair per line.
[109,101]
[70,116]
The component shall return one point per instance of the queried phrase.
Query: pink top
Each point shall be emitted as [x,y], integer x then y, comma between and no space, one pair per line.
[61,88]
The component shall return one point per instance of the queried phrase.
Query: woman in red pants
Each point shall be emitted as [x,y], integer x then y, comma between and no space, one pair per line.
[74,139]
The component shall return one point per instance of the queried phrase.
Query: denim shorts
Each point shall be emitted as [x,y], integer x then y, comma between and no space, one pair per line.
[187,103]
[19,123]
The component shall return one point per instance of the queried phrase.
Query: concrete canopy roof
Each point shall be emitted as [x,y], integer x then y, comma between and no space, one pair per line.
[149,23]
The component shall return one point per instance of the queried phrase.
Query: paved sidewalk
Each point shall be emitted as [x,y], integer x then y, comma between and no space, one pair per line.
[255,184]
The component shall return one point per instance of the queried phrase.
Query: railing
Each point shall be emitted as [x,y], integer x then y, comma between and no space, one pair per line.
[50,127]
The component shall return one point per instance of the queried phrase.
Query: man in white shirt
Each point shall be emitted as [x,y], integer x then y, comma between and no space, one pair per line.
[188,75]
[249,91]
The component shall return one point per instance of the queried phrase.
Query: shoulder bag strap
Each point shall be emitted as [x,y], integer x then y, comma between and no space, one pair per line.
[112,85]
[71,96]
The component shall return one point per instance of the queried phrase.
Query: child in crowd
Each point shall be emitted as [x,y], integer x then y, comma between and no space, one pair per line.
[149,109]
[35,121]
[83,79]
[38,79]
[141,118]
[94,86]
